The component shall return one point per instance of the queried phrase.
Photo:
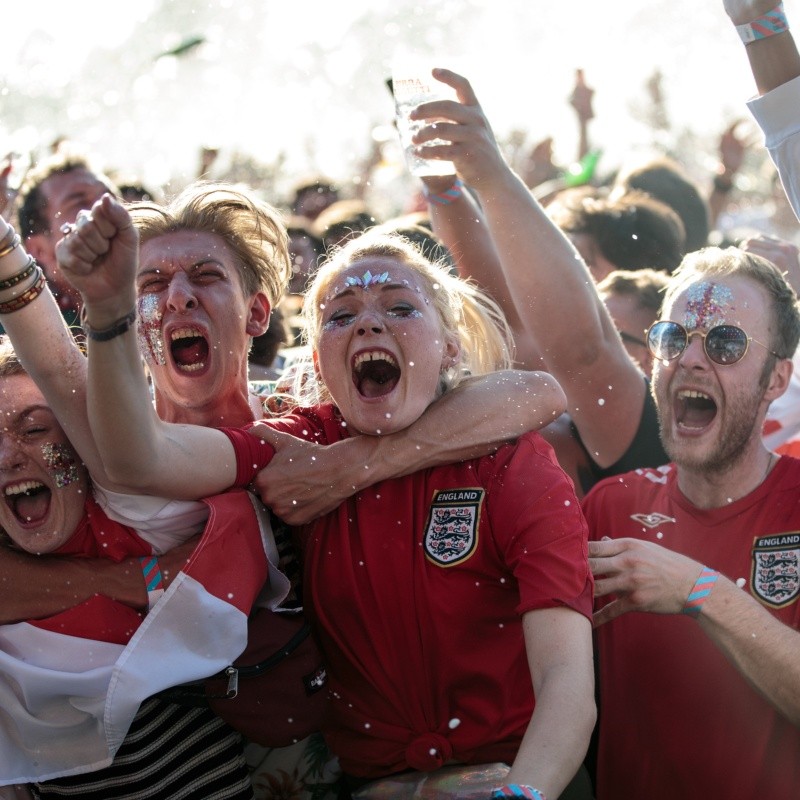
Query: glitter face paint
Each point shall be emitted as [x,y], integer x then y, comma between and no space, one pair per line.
[708,305]
[61,462]
[148,331]
[367,280]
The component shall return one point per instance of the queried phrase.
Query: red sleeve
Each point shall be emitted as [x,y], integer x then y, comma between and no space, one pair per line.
[252,455]
[539,528]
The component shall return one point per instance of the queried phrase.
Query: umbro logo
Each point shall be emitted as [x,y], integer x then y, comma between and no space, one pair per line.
[652,520]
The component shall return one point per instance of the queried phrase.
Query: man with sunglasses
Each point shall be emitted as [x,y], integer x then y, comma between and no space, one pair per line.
[700,697]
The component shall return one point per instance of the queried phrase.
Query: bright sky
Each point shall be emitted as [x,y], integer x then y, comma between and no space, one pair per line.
[266,79]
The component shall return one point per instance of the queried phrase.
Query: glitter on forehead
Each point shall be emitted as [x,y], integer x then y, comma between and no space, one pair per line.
[151,342]
[60,458]
[707,306]
[367,280]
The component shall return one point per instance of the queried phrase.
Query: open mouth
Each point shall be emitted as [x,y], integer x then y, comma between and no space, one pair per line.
[375,373]
[694,410]
[29,501]
[189,349]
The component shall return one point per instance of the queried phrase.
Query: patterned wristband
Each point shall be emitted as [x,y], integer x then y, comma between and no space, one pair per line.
[700,591]
[769,24]
[517,790]
[448,195]
[152,580]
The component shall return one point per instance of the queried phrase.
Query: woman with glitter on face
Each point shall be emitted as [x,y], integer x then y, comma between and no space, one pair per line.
[49,508]
[77,687]
[425,587]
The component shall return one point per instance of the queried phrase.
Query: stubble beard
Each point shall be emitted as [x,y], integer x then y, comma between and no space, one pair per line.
[741,425]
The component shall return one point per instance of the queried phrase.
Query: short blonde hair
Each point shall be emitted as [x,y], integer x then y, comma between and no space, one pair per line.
[467,315]
[252,229]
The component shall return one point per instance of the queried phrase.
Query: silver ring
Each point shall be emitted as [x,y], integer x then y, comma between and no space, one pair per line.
[84,218]
[67,228]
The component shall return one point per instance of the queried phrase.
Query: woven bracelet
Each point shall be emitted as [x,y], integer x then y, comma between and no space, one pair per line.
[152,579]
[448,196]
[518,790]
[700,592]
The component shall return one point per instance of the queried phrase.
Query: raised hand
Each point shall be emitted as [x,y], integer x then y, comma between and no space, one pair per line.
[99,256]
[472,145]
[581,98]
[744,11]
[784,255]
[733,145]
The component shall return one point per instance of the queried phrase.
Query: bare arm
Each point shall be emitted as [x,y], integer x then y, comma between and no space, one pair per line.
[559,645]
[51,357]
[305,480]
[644,576]
[34,587]
[775,59]
[552,287]
[463,229]
[140,453]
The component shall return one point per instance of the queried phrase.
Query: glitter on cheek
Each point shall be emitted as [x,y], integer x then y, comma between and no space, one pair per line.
[62,463]
[151,342]
[707,305]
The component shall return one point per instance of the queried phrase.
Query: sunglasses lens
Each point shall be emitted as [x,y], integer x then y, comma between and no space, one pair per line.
[666,340]
[726,344]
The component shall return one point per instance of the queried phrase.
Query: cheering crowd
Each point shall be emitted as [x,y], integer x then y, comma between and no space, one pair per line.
[521,463]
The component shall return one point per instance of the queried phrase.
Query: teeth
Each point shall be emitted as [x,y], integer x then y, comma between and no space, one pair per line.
[185,333]
[692,394]
[191,367]
[374,355]
[21,488]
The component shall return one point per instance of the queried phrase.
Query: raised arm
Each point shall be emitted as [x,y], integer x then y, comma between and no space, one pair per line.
[140,453]
[304,480]
[643,576]
[460,224]
[773,59]
[50,355]
[775,63]
[550,284]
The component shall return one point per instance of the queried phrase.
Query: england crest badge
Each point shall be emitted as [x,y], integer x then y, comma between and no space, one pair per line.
[776,568]
[451,534]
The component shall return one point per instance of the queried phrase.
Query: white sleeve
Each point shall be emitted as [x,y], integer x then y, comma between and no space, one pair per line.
[162,523]
[778,115]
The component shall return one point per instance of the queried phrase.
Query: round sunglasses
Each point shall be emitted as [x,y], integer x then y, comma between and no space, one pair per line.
[723,344]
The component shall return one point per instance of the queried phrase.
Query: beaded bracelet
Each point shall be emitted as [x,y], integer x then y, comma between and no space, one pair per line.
[517,790]
[106,334]
[700,592]
[769,24]
[11,241]
[28,296]
[448,196]
[20,276]
[152,579]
